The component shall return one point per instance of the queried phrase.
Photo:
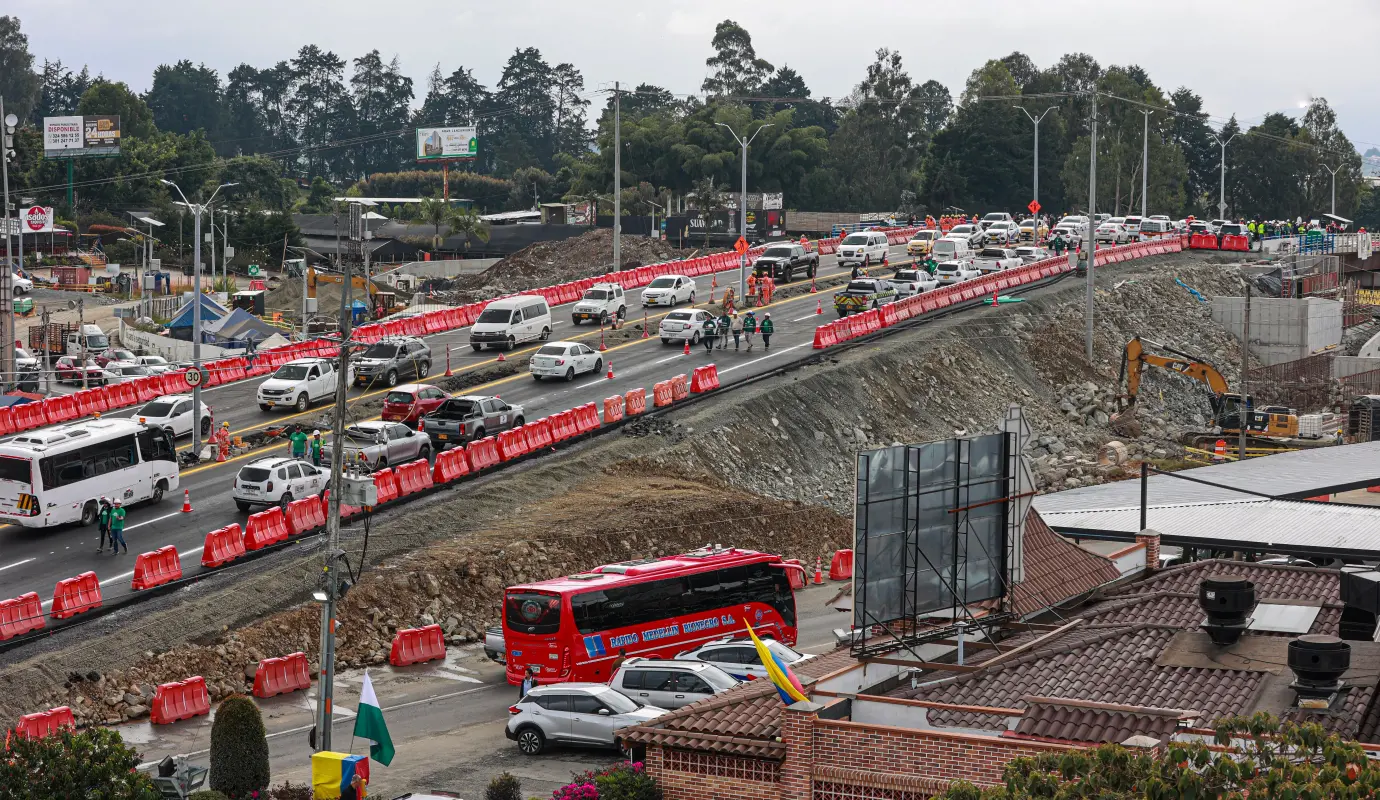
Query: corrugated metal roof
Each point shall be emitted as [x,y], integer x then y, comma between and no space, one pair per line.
[1277,526]
[1293,476]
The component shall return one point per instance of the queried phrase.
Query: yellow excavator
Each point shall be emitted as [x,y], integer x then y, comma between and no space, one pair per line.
[1268,424]
[381,303]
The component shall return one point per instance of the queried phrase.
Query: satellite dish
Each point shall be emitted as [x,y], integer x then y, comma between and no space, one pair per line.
[71,305]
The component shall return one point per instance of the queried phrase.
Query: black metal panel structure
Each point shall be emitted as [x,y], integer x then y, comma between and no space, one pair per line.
[931,529]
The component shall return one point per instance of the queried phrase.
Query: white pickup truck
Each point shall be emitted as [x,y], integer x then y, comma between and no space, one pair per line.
[996,259]
[910,282]
[601,303]
[298,384]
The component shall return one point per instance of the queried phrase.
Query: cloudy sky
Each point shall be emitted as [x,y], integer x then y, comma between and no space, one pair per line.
[1247,57]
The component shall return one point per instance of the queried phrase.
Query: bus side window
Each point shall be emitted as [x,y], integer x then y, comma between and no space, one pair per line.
[154,445]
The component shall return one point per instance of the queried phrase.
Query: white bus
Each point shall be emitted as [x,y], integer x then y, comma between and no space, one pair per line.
[57,475]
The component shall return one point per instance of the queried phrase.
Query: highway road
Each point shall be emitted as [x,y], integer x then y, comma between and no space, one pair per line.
[35,559]
[446,721]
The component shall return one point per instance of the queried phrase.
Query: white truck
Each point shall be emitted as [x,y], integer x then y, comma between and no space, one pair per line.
[996,259]
[601,303]
[910,282]
[298,384]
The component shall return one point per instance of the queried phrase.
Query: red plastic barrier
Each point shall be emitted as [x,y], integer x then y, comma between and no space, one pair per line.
[704,379]
[563,426]
[44,723]
[613,408]
[512,444]
[20,615]
[386,482]
[180,700]
[222,546]
[276,676]
[156,568]
[587,418]
[1236,242]
[417,645]
[451,465]
[538,434]
[841,565]
[635,402]
[72,596]
[824,336]
[680,388]
[148,388]
[305,515]
[413,477]
[122,395]
[265,528]
[483,453]
[7,421]
[661,394]
[60,409]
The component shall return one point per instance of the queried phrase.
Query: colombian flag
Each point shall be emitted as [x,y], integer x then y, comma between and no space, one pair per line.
[786,684]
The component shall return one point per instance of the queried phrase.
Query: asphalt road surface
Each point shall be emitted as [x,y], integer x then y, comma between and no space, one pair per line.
[446,721]
[35,559]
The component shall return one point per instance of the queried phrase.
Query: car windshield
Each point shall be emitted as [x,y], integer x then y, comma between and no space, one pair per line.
[948,266]
[495,316]
[907,275]
[156,409]
[785,653]
[292,372]
[381,350]
[616,702]
[254,474]
[596,294]
[401,398]
[718,678]
[155,361]
[662,283]
[777,252]
[678,315]
[134,371]
[855,238]
[961,229]
[552,350]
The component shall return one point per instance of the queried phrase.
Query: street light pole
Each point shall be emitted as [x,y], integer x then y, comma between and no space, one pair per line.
[1092,229]
[1035,189]
[6,279]
[742,201]
[197,210]
[1334,185]
[1145,164]
[1222,185]
[617,181]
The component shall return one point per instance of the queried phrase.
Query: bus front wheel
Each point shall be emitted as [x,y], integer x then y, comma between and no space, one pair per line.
[88,513]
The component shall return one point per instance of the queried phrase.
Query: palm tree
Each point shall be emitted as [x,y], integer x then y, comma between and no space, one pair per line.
[466,221]
[435,212]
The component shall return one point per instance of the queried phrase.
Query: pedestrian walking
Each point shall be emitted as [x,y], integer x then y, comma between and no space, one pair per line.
[117,529]
[711,333]
[316,448]
[529,682]
[767,329]
[103,521]
[298,438]
[749,328]
[737,328]
[725,322]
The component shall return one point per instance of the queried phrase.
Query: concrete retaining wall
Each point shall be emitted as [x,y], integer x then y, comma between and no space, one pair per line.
[168,347]
[1283,329]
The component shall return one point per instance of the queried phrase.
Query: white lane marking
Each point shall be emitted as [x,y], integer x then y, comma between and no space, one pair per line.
[16,564]
[671,358]
[807,316]
[765,357]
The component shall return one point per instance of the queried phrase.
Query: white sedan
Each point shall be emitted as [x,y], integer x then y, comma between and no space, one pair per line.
[173,413]
[564,360]
[1003,233]
[668,290]
[681,325]
[155,364]
[972,233]
[739,658]
[1114,232]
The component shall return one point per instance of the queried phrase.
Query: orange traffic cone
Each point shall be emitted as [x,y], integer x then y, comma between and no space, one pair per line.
[994,297]
[819,306]
[448,372]
[812,285]
[819,570]
[602,347]
[501,359]
[644,325]
[186,501]
[610,370]
[687,347]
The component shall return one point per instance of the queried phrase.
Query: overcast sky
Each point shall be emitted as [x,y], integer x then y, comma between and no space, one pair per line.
[1247,57]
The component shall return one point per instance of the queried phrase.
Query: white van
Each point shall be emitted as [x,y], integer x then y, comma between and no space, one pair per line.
[951,249]
[510,321]
[1154,227]
[865,248]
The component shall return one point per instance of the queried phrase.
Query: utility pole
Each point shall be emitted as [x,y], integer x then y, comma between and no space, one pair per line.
[212,240]
[617,181]
[1145,164]
[1092,229]
[1035,184]
[326,685]
[6,274]
[197,210]
[1222,184]
[742,202]
[81,334]
[1324,166]
[1244,415]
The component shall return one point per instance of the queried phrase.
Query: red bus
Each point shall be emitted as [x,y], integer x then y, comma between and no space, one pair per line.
[575,628]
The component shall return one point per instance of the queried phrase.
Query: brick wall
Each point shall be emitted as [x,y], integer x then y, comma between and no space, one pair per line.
[693,775]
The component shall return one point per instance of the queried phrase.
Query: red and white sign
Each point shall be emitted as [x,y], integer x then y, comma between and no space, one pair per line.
[37,219]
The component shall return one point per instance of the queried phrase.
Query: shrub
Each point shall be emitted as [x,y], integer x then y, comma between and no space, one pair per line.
[287,790]
[239,749]
[206,794]
[504,787]
[69,764]
[626,781]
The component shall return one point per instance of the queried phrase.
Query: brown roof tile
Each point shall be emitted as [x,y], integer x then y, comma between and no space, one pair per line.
[1056,569]
[1181,610]
[1271,581]
[1082,721]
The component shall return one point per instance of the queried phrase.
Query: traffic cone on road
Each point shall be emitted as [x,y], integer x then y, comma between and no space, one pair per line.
[812,285]
[819,306]
[448,372]
[186,501]
[610,370]
[501,359]
[602,347]
[994,297]
[687,347]
[819,571]
[644,324]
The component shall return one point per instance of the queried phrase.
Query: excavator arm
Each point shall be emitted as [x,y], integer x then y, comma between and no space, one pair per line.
[1134,363]
[314,277]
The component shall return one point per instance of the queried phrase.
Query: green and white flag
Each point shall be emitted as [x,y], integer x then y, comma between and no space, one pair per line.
[369,724]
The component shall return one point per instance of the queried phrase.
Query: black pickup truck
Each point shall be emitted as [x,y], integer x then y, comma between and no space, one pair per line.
[784,261]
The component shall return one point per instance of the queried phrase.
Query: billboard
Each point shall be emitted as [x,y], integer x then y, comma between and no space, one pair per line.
[71,137]
[440,144]
[36,219]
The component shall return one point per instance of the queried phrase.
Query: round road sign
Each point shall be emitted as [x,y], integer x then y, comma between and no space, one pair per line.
[193,377]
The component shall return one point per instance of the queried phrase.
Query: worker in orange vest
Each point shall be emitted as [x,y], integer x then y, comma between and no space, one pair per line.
[768,286]
[221,439]
[752,285]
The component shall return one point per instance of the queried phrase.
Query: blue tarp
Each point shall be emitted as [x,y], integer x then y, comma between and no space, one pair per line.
[210,310]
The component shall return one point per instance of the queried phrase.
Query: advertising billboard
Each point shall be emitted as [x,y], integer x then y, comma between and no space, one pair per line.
[440,144]
[36,219]
[71,137]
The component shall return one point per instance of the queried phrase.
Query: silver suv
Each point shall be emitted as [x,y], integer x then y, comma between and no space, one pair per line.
[669,684]
[573,713]
[388,360]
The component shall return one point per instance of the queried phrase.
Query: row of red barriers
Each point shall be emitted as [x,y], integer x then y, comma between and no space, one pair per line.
[156,568]
[413,477]
[88,402]
[275,676]
[304,515]
[1203,241]
[1239,242]
[386,486]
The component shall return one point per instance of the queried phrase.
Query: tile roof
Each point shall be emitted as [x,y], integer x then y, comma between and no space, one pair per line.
[1182,610]
[1082,721]
[1271,581]
[1056,569]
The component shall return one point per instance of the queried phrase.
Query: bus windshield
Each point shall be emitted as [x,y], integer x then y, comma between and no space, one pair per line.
[533,612]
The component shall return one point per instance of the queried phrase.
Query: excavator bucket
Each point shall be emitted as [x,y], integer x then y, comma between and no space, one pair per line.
[1125,423]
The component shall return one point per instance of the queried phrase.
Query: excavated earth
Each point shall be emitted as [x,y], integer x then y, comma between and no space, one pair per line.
[768,466]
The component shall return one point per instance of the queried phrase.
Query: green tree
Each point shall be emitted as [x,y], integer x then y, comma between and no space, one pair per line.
[239,749]
[734,69]
[94,764]
[19,83]
[186,97]
[467,222]
[318,106]
[569,126]
[879,144]
[106,97]
[526,134]
[1189,130]
[1330,150]
[987,143]
[60,90]
[382,95]
[320,197]
[438,213]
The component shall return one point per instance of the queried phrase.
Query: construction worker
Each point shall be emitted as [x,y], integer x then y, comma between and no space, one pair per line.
[766,331]
[117,529]
[221,438]
[749,327]
[298,438]
[751,287]
[316,448]
[725,322]
[929,264]
[103,520]
[768,288]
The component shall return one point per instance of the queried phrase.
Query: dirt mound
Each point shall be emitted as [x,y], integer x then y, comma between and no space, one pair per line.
[550,263]
[287,298]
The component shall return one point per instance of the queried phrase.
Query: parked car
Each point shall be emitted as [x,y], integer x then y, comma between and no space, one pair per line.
[20,284]
[277,481]
[910,282]
[972,233]
[173,413]
[864,294]
[566,360]
[669,684]
[494,648]
[510,321]
[469,417]
[995,217]
[738,657]
[948,273]
[864,248]
[125,371]
[1031,254]
[155,364]
[1071,232]
[669,290]
[298,384]
[951,248]
[600,303]
[1113,233]
[1003,233]
[584,714]
[1029,231]
[388,360]
[378,444]
[690,324]
[783,261]
[1234,229]
[114,354]
[996,259]
[409,402]
[921,242]
[68,369]
[29,370]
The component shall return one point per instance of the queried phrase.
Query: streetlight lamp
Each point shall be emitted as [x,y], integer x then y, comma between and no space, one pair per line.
[742,201]
[1035,189]
[1222,186]
[1334,185]
[197,210]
